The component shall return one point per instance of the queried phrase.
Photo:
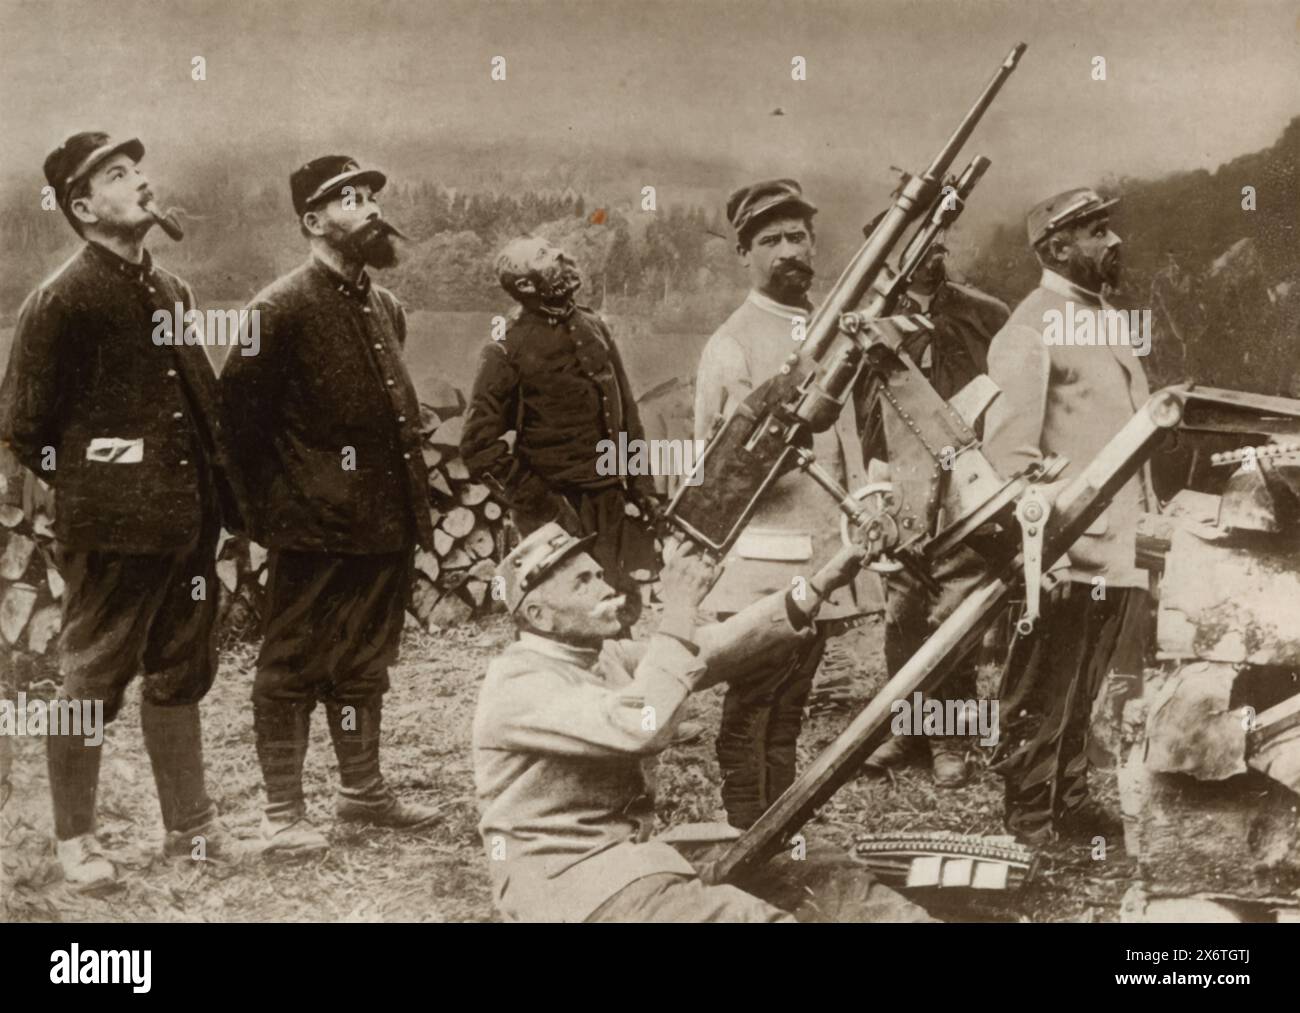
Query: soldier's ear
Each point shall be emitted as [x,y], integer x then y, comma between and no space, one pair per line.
[538,616]
[80,208]
[312,224]
[1058,247]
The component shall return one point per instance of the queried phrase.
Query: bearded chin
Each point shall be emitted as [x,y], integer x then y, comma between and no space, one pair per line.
[374,249]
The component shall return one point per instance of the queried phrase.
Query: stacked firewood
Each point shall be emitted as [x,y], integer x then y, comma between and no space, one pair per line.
[30,585]
[470,533]
[452,583]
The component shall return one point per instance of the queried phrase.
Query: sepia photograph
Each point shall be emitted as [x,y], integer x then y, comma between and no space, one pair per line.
[650,461]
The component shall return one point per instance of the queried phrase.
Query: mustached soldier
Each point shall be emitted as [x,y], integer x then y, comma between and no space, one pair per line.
[130,435]
[796,521]
[570,720]
[1067,400]
[557,380]
[327,427]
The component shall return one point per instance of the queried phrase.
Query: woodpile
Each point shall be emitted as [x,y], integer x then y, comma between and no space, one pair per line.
[451,584]
[30,585]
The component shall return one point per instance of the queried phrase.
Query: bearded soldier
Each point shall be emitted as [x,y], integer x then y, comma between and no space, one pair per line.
[124,422]
[1068,400]
[795,521]
[327,426]
[557,382]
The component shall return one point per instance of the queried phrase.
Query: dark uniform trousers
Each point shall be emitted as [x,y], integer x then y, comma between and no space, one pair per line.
[90,373]
[561,387]
[759,731]
[328,384]
[1048,687]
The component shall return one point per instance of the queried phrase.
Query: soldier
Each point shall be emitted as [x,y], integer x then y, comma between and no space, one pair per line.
[128,431]
[950,354]
[795,521]
[557,382]
[327,431]
[569,721]
[1070,400]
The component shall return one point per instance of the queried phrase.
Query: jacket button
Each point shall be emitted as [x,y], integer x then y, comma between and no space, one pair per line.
[178,415]
[378,347]
[365,309]
[390,382]
[171,372]
[184,462]
[406,457]
[401,418]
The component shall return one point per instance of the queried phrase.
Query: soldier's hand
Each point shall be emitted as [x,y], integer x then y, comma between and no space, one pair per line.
[841,569]
[687,577]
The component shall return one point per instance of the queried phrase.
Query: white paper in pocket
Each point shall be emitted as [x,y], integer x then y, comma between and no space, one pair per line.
[115,450]
[1100,525]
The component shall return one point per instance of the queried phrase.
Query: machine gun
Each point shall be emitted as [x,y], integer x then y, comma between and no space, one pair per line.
[1186,407]
[770,433]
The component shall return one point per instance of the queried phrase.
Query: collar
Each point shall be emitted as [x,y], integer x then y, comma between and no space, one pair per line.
[141,273]
[358,290]
[769,305]
[579,657]
[1062,285]
[552,318]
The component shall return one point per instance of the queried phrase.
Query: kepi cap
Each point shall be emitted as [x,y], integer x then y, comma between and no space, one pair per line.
[78,156]
[1064,209]
[748,205]
[323,178]
[533,558]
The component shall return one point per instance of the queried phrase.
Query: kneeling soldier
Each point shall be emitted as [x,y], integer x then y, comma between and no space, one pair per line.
[570,719]
[327,427]
[126,427]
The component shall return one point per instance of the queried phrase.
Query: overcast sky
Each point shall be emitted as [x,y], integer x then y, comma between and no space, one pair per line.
[1189,84]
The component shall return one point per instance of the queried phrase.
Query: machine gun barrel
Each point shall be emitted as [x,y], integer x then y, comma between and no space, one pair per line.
[912,201]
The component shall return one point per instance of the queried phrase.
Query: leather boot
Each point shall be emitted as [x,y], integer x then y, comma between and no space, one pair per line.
[281,729]
[74,777]
[173,737]
[363,795]
[948,761]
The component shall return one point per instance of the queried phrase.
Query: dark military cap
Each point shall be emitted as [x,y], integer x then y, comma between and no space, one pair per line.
[324,177]
[750,204]
[78,156]
[1065,209]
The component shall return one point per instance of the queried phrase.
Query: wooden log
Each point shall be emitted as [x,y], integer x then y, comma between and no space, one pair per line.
[429,419]
[451,610]
[15,609]
[456,470]
[438,483]
[477,591]
[448,434]
[256,556]
[427,564]
[10,516]
[459,522]
[41,630]
[480,543]
[443,543]
[17,554]
[432,456]
[456,559]
[491,510]
[228,574]
[484,569]
[472,494]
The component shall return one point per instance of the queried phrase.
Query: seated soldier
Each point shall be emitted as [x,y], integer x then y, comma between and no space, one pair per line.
[569,721]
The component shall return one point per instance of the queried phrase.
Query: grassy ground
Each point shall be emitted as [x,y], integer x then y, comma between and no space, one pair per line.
[439,874]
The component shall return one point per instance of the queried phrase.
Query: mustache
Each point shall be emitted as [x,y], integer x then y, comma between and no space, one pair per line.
[609,607]
[793,269]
